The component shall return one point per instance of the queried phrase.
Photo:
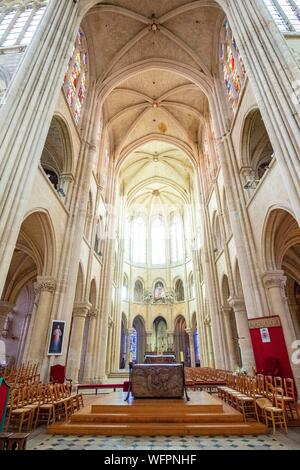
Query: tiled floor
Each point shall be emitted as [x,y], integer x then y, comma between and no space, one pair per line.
[42,441]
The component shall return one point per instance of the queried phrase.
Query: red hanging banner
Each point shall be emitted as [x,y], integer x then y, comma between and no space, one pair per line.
[270,352]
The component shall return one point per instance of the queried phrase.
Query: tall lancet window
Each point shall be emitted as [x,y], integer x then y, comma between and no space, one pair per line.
[286,14]
[176,239]
[125,288]
[18,23]
[233,68]
[158,241]
[127,240]
[75,84]
[139,240]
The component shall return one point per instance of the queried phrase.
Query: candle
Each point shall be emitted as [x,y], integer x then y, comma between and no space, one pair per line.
[181,357]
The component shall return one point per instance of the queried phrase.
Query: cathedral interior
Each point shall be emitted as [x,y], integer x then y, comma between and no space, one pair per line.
[150,193]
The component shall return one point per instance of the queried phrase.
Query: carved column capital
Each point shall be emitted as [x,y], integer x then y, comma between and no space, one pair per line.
[44,284]
[93,312]
[226,310]
[247,172]
[80,310]
[190,331]
[66,178]
[5,307]
[237,304]
[274,279]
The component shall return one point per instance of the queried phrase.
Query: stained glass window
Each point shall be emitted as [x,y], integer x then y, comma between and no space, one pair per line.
[196,346]
[75,82]
[286,14]
[18,23]
[233,68]
[133,345]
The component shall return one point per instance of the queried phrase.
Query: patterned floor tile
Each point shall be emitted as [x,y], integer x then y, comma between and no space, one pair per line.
[42,441]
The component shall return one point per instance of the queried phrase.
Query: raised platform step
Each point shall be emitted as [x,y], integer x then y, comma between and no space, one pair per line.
[201,416]
[149,418]
[158,429]
[200,402]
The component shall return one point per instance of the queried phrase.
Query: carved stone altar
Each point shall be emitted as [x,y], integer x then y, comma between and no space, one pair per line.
[157,381]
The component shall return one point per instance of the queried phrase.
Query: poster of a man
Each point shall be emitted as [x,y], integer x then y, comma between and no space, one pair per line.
[56,338]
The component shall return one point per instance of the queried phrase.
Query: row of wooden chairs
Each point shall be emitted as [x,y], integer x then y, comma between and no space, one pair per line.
[21,375]
[39,403]
[205,374]
[256,397]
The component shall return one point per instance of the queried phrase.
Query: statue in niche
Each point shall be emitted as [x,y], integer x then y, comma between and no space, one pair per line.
[159,293]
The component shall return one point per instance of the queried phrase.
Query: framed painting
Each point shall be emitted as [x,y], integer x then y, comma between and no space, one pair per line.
[56,338]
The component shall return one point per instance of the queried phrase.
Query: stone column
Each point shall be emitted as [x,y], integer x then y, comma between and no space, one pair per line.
[90,351]
[148,341]
[274,76]
[170,339]
[26,116]
[293,308]
[129,333]
[244,338]
[190,332]
[211,359]
[5,308]
[275,283]
[80,312]
[227,312]
[44,290]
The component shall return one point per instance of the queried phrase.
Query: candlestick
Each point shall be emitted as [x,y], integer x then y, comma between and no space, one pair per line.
[181,357]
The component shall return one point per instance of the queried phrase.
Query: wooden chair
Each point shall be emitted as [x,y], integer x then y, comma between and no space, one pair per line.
[46,407]
[58,374]
[246,403]
[266,401]
[290,399]
[18,413]
[276,414]
[269,380]
[260,380]
[278,382]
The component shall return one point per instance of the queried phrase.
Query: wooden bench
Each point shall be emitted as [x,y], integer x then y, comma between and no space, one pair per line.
[96,387]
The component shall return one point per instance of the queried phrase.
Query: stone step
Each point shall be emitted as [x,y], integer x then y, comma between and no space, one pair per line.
[161,418]
[158,429]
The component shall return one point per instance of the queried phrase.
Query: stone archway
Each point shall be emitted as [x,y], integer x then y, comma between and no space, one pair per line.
[28,292]
[181,341]
[281,259]
[140,331]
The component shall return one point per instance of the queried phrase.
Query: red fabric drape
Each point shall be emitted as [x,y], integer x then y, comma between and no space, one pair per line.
[4,395]
[274,349]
